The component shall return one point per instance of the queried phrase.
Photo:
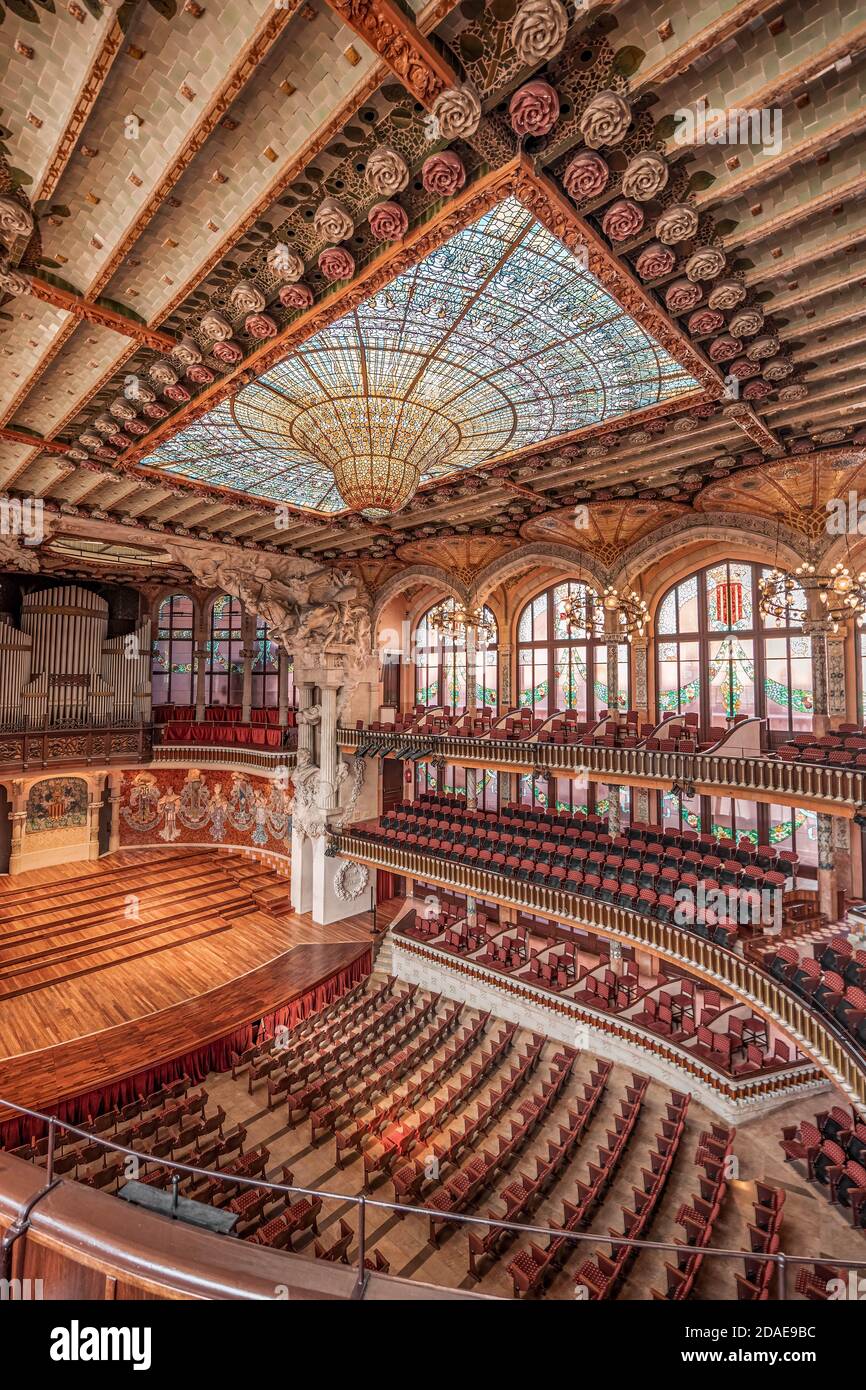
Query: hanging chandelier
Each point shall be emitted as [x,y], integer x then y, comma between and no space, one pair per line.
[456,620]
[784,597]
[583,613]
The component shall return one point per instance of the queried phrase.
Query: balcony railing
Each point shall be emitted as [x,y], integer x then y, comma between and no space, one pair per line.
[224,755]
[793,784]
[817,1036]
[72,745]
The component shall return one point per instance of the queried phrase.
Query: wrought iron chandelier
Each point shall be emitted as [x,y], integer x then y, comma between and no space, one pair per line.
[784,597]
[583,612]
[455,621]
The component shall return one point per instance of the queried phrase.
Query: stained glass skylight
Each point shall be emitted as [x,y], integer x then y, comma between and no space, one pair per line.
[497,341]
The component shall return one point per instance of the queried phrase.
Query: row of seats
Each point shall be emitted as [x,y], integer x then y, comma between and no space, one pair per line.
[833,1150]
[835,981]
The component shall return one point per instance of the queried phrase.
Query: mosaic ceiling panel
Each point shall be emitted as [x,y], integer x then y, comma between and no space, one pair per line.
[496,341]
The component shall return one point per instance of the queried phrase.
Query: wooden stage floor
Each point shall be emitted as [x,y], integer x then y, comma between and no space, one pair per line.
[93,1013]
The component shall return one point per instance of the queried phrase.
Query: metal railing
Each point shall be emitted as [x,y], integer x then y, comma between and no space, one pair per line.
[833,1050]
[363,1204]
[791,783]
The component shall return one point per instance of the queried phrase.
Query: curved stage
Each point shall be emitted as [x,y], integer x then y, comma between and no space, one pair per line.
[113,967]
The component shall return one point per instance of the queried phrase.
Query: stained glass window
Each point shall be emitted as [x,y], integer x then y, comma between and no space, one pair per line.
[224,662]
[172,672]
[500,337]
[440,666]
[266,667]
[717,658]
[557,670]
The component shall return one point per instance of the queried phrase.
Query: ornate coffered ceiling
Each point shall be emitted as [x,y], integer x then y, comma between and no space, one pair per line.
[157,155]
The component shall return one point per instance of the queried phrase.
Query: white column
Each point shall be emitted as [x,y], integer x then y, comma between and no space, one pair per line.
[200,658]
[283,687]
[328,751]
[116,784]
[17,815]
[306,732]
[94,806]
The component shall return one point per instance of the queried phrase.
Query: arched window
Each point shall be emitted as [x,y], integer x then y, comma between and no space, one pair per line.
[224,666]
[440,665]
[718,657]
[266,670]
[172,669]
[557,667]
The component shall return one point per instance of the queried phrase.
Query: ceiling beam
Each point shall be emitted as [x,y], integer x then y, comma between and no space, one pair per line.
[398,41]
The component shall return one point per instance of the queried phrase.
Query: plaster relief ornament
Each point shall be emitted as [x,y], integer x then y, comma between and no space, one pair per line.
[727,294]
[106,424]
[260,326]
[777,368]
[296,296]
[247,298]
[767,345]
[388,221]
[213,325]
[138,391]
[622,220]
[336,263]
[350,881]
[676,223]
[15,219]
[154,411]
[228,351]
[747,322]
[646,175]
[538,30]
[457,112]
[332,221]
[793,393]
[90,440]
[587,176]
[443,174]
[78,455]
[284,262]
[605,120]
[682,295]
[386,173]
[534,109]
[723,348]
[177,393]
[654,261]
[757,390]
[163,373]
[187,351]
[14,555]
[122,409]
[705,264]
[200,374]
[743,369]
[705,321]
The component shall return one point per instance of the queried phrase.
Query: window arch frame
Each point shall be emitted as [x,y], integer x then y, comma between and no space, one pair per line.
[595,647]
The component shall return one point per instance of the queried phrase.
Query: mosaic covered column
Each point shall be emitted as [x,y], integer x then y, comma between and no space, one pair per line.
[641,803]
[827,880]
[817,630]
[640,687]
[471,654]
[504,679]
[472,788]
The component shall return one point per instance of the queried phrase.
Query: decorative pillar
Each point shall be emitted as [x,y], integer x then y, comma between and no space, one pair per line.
[248,655]
[328,751]
[827,882]
[816,627]
[116,779]
[506,787]
[306,732]
[471,656]
[842,853]
[283,688]
[611,627]
[837,694]
[641,805]
[18,816]
[504,679]
[200,660]
[472,788]
[614,811]
[640,647]
[94,806]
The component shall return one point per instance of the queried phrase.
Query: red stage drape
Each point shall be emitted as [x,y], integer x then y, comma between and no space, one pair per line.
[215,1056]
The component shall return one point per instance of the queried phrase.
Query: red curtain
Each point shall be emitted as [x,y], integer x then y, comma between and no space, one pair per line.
[215,1056]
[385,885]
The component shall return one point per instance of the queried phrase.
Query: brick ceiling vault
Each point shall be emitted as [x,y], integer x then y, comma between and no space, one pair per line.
[162,158]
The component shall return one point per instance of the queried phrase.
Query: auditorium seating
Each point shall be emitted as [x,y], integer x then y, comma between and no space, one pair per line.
[833,1154]
[831,975]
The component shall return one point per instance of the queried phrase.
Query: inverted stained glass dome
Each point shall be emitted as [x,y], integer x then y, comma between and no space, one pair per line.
[497,341]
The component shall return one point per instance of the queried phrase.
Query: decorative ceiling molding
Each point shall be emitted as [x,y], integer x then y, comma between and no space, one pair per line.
[84,104]
[85,309]
[424,72]
[44,446]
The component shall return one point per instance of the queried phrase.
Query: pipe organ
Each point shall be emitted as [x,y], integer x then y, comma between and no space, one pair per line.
[62,669]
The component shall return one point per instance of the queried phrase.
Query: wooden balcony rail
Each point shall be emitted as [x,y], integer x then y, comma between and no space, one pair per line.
[838,790]
[826,1043]
[33,749]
